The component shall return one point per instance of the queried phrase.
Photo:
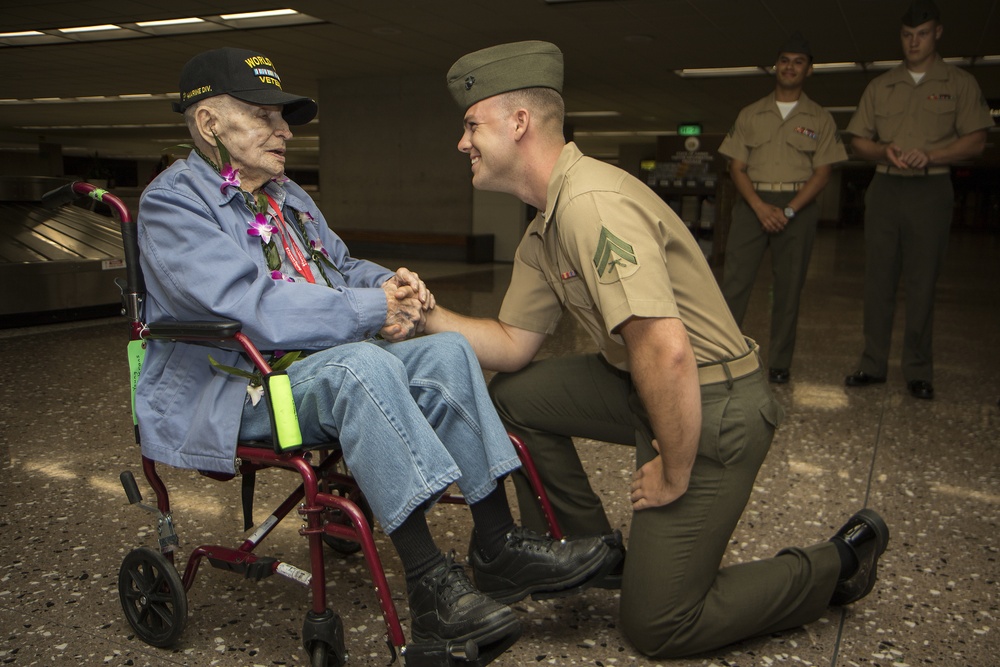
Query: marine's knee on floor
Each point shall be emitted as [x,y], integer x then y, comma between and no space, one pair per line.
[656,635]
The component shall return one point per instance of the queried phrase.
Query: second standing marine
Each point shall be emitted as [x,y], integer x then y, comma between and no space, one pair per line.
[913,122]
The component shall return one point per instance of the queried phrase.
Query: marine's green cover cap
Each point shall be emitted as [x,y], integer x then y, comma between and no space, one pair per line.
[503,68]
[920,12]
[796,44]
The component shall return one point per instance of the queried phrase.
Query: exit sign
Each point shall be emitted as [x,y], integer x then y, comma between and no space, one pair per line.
[689,129]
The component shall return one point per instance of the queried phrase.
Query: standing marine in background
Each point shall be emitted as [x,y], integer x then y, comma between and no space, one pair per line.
[781,151]
[913,122]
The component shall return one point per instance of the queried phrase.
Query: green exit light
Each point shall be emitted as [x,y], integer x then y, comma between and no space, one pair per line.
[689,129]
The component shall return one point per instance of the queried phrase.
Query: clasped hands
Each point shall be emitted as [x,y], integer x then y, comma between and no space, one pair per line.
[407,302]
[907,159]
[771,217]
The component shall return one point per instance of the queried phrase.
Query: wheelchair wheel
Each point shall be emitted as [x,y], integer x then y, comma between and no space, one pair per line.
[152,597]
[323,656]
[323,639]
[340,545]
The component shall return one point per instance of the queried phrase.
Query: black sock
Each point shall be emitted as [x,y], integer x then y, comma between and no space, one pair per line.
[416,548]
[492,520]
[848,560]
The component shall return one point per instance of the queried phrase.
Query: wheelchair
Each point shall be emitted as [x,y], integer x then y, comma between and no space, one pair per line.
[153,590]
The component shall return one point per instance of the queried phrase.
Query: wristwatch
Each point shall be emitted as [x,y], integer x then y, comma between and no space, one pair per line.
[789,212]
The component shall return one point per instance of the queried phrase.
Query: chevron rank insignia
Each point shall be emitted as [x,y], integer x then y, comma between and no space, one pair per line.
[615,258]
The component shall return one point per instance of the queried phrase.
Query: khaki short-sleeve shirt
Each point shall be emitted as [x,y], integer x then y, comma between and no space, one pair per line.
[945,105]
[783,150]
[606,249]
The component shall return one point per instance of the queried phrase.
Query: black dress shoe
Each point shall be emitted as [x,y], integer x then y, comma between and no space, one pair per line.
[778,375]
[862,379]
[921,389]
[445,608]
[540,566]
[867,536]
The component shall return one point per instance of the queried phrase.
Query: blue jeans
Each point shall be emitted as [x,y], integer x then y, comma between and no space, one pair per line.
[411,418]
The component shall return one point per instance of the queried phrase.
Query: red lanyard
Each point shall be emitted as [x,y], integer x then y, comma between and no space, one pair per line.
[292,251]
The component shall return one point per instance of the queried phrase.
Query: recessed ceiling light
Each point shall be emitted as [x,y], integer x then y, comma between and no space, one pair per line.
[257,15]
[157,24]
[836,67]
[90,28]
[591,114]
[23,33]
[626,133]
[718,71]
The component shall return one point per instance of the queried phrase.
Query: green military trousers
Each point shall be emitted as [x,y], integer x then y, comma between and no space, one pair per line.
[907,222]
[675,600]
[791,249]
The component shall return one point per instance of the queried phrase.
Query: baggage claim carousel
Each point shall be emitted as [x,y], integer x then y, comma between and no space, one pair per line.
[55,265]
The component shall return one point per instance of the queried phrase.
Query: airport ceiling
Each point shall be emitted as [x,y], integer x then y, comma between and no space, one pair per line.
[621,55]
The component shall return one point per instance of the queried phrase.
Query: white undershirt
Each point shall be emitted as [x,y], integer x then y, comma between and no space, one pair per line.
[786,108]
[917,76]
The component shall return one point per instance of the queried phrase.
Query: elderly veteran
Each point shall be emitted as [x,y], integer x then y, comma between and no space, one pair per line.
[780,152]
[913,122]
[674,377]
[224,235]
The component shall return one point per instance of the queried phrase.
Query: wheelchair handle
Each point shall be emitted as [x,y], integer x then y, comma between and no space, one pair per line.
[65,194]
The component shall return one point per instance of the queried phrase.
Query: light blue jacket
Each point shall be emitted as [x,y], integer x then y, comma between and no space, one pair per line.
[199,263]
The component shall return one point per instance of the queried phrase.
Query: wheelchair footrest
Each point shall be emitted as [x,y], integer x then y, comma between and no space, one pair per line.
[472,652]
[256,569]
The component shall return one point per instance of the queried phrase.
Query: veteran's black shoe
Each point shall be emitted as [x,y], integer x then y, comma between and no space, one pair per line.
[867,536]
[450,617]
[778,375]
[540,566]
[920,389]
[862,379]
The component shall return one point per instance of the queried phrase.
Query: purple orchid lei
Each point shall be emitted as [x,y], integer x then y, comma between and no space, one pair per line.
[261,227]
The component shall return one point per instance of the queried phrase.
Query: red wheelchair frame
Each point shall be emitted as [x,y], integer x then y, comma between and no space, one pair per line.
[153,594]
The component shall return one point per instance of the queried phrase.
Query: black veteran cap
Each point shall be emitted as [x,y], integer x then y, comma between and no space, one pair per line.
[503,68]
[921,11]
[245,75]
[796,44]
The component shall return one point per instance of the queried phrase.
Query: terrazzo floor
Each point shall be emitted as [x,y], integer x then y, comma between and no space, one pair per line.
[932,468]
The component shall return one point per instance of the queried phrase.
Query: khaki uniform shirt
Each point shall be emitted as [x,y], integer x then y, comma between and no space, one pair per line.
[607,248]
[788,150]
[945,105]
